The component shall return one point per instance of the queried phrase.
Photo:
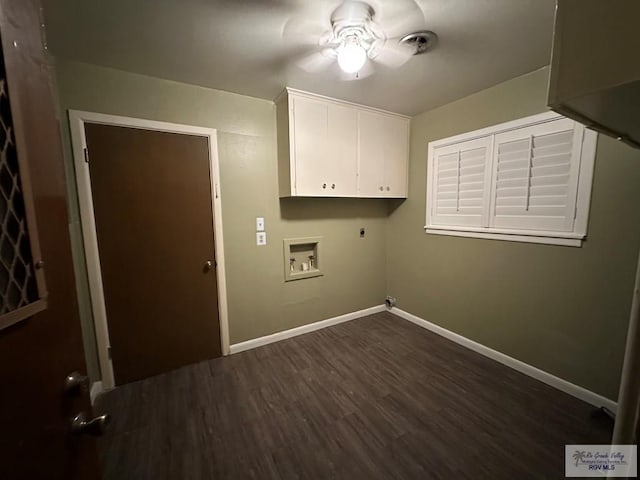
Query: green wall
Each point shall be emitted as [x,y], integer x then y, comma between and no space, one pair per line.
[260,302]
[562,309]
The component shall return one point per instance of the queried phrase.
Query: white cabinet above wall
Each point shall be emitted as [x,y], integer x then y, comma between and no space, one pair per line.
[331,148]
[324,147]
[595,67]
[383,150]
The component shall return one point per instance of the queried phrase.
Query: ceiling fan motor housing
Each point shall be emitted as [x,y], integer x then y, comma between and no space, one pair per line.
[354,21]
[351,14]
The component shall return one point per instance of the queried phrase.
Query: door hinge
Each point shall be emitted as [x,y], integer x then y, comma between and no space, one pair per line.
[109,353]
[86,155]
[575,213]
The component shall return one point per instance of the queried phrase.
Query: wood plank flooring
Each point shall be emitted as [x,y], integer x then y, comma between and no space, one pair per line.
[374,398]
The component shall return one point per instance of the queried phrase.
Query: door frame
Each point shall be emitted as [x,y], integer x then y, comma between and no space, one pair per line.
[77,121]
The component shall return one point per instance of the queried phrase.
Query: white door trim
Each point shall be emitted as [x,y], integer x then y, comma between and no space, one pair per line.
[77,121]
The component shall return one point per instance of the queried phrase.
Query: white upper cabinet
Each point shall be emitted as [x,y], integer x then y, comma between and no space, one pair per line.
[324,148]
[329,148]
[595,66]
[383,150]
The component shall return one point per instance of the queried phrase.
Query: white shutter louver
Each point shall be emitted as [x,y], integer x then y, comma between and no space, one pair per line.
[535,172]
[460,194]
[528,180]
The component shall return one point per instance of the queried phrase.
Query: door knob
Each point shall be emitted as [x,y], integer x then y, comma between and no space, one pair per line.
[96,427]
[76,384]
[208,265]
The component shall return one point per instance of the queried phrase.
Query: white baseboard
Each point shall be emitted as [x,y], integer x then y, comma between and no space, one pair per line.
[276,337]
[556,382]
[96,389]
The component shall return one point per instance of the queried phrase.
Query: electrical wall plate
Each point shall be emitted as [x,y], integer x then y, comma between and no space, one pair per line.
[302,258]
[261,238]
[259,224]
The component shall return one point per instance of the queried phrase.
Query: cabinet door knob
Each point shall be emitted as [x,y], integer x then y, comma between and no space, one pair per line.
[333,185]
[381,188]
[388,188]
[324,185]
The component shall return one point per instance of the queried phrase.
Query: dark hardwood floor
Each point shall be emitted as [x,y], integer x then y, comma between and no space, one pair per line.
[374,398]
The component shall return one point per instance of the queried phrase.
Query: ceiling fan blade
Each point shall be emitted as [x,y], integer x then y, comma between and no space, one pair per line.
[393,54]
[317,61]
[301,31]
[400,17]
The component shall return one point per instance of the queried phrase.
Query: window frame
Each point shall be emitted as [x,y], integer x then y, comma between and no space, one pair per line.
[14,91]
[572,238]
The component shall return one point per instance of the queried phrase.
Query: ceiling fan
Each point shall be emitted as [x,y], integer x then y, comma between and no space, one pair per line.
[354,39]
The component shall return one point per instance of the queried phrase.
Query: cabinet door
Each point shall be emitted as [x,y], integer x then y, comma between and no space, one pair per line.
[396,157]
[371,143]
[310,129]
[383,155]
[339,170]
[325,139]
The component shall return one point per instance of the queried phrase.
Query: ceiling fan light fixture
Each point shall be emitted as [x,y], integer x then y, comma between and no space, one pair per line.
[351,55]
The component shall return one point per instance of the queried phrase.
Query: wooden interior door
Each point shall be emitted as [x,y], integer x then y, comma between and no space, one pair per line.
[38,352]
[154,223]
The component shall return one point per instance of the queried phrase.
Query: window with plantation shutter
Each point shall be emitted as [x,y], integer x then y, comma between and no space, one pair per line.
[460,194]
[536,170]
[527,180]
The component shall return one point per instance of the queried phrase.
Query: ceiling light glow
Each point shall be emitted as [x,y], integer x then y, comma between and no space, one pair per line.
[351,55]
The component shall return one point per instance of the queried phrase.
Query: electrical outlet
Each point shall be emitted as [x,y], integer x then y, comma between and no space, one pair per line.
[260,224]
[261,238]
[362,232]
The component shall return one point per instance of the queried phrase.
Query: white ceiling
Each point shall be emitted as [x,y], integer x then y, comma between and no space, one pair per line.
[252,46]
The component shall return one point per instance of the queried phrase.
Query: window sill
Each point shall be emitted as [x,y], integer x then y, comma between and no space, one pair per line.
[552,238]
